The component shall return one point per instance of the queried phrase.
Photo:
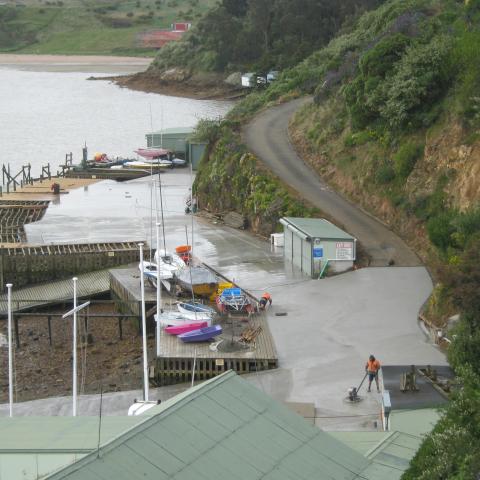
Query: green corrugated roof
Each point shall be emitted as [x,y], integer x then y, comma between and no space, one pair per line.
[59,434]
[318,228]
[362,442]
[173,131]
[222,429]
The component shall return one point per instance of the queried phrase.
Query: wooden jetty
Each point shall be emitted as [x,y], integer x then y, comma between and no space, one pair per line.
[98,173]
[89,285]
[178,360]
[254,345]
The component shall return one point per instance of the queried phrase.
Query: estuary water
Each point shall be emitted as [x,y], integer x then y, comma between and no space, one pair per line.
[48,110]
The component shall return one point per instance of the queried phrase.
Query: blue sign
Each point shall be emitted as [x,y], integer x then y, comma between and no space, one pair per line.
[317,252]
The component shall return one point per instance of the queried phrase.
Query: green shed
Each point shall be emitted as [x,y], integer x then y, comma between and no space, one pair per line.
[175,139]
[313,243]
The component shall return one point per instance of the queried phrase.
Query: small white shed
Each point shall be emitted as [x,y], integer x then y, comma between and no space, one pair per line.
[249,80]
[313,243]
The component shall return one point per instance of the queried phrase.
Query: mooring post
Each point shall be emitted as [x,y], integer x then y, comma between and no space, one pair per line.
[49,319]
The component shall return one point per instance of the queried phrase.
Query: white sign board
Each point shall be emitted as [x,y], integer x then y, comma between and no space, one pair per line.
[344,251]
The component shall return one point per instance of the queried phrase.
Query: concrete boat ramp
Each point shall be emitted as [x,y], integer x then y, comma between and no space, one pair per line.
[330,326]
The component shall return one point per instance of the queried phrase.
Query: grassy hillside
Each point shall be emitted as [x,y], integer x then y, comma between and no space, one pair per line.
[395,126]
[89,27]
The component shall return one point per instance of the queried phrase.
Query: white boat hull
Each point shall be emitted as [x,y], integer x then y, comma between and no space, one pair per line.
[175,319]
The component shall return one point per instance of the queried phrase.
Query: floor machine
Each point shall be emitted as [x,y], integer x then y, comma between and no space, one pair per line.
[353,392]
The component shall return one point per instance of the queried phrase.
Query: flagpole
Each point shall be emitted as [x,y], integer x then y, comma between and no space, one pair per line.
[144,328]
[10,359]
[74,386]
[159,291]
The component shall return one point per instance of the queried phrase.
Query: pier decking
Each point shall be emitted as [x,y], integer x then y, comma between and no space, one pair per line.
[89,284]
[176,361]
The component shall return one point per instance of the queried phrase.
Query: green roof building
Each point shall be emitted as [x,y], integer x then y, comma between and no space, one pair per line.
[313,244]
[178,140]
[222,429]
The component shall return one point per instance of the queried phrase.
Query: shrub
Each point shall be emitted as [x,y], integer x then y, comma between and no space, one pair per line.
[384,174]
[406,157]
[440,229]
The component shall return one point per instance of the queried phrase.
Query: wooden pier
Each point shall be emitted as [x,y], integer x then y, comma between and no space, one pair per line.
[178,360]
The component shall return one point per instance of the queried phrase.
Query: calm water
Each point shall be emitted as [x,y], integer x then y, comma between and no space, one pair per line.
[44,115]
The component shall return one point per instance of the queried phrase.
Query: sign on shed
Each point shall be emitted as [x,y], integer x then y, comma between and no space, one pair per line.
[344,251]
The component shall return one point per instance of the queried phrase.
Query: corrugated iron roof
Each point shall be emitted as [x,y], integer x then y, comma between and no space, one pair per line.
[59,434]
[224,428]
[318,228]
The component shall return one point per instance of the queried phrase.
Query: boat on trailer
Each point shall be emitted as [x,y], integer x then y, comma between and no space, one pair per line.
[198,279]
[234,300]
[201,335]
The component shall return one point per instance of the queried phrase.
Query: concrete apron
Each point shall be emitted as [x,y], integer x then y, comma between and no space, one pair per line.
[331,326]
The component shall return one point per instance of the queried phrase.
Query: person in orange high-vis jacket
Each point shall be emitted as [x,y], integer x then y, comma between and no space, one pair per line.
[266,298]
[371,368]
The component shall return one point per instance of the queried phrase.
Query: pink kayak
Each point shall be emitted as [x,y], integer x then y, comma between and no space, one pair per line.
[187,327]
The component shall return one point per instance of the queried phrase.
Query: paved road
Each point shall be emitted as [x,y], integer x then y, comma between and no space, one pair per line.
[267,136]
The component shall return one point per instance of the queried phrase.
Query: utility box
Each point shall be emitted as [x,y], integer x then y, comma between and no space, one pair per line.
[313,244]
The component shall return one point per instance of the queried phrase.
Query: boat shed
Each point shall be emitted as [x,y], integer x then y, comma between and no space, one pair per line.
[175,139]
[315,244]
[178,140]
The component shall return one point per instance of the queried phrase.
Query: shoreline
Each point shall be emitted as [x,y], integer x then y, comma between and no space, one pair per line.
[33,59]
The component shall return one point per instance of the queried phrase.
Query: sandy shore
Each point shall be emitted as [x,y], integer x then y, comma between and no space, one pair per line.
[75,63]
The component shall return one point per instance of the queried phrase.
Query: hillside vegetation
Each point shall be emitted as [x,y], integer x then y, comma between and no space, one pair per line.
[395,125]
[259,35]
[79,27]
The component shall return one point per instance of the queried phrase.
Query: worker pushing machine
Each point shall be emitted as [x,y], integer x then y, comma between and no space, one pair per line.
[371,368]
[266,298]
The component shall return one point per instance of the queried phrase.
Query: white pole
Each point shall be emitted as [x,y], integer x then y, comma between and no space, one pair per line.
[159,290]
[10,359]
[74,386]
[144,328]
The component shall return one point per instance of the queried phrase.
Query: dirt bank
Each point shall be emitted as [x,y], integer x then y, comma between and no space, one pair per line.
[200,87]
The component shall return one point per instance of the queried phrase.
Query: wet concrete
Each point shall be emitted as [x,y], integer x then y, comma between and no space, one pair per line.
[331,326]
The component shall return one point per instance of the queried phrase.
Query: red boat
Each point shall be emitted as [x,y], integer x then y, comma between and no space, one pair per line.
[188,327]
[153,153]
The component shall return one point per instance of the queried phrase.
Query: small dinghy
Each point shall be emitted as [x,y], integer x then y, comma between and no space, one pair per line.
[176,319]
[188,327]
[195,311]
[202,334]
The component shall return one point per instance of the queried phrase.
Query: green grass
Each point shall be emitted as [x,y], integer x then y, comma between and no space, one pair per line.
[84,27]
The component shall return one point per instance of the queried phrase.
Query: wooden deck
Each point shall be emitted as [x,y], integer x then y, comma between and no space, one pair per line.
[88,285]
[175,363]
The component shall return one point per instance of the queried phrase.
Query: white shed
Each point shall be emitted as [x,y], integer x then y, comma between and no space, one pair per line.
[312,244]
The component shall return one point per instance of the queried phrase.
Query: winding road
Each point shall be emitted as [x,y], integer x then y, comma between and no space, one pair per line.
[267,136]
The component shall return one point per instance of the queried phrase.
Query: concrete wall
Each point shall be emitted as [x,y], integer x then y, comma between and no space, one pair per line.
[25,266]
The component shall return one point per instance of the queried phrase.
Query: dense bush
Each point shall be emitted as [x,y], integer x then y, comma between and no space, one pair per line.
[406,158]
[261,35]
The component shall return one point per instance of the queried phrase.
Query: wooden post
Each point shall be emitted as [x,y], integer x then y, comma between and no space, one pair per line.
[50,329]
[120,329]
[17,336]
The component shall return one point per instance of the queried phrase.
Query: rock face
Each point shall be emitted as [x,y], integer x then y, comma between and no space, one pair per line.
[174,75]
[446,153]
[234,79]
